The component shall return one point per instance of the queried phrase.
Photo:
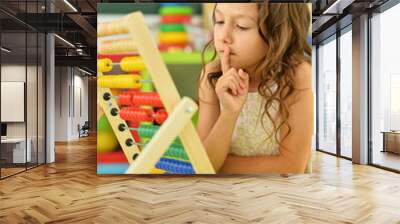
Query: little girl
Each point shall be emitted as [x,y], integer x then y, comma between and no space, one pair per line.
[256,101]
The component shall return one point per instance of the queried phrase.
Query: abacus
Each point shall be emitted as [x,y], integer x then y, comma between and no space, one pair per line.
[160,117]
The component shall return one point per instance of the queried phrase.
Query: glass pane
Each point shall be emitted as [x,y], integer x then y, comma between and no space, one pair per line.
[346,94]
[327,97]
[13,86]
[22,77]
[32,97]
[386,89]
[41,99]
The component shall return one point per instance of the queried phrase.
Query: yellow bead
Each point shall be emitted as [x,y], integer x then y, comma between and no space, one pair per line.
[134,63]
[173,38]
[119,81]
[104,65]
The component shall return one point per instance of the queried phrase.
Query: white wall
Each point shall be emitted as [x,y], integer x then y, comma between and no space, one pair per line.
[69,85]
[61,103]
[14,73]
[80,109]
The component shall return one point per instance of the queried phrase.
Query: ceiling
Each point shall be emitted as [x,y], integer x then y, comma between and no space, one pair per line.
[75,23]
[328,16]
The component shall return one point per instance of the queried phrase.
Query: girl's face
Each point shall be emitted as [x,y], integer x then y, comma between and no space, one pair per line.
[236,26]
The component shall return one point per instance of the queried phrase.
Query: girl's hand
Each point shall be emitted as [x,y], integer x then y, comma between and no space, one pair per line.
[232,87]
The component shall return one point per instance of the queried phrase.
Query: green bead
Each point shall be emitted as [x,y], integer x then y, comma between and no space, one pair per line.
[172,27]
[148,130]
[176,10]
[177,151]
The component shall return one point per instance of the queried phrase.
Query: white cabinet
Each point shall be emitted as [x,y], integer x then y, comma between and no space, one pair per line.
[17,146]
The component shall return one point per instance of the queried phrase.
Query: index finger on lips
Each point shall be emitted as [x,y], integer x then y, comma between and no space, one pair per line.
[225,63]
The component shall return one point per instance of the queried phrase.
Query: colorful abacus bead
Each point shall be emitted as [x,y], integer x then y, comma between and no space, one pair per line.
[119,81]
[177,152]
[134,63]
[136,114]
[125,98]
[176,10]
[104,65]
[173,37]
[160,116]
[134,125]
[143,115]
[175,166]
[172,27]
[167,47]
[147,131]
[176,19]
[149,99]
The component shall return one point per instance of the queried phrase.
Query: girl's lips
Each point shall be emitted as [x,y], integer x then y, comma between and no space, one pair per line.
[230,53]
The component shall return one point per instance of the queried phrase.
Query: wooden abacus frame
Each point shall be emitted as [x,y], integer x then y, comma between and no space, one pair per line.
[180,110]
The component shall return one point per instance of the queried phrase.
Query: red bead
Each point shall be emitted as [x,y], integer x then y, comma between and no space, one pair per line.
[136,98]
[125,99]
[135,134]
[150,99]
[176,19]
[160,116]
[136,114]
[167,47]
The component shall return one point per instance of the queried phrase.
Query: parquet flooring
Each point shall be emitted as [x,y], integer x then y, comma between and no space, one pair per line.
[10,171]
[69,191]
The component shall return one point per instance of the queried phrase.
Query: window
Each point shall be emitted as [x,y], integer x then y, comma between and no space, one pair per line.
[385,88]
[22,66]
[346,75]
[327,96]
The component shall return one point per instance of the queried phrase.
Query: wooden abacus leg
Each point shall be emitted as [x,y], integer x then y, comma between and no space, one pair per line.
[119,126]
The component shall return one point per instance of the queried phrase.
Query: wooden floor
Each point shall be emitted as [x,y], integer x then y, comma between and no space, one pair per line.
[69,191]
[10,171]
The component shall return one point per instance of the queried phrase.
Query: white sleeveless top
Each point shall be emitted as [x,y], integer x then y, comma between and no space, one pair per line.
[249,137]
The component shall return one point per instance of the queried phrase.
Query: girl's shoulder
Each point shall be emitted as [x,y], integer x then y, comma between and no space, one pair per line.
[303,76]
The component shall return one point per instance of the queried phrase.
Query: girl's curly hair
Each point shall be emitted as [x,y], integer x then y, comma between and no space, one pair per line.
[284,28]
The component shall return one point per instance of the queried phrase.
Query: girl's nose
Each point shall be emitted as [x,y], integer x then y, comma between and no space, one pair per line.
[226,34]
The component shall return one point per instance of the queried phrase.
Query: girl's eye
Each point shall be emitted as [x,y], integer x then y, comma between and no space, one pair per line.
[242,27]
[219,22]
